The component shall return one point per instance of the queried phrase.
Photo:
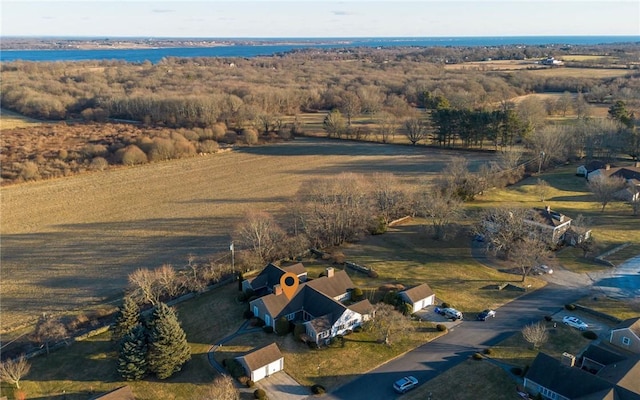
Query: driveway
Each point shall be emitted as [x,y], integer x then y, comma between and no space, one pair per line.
[281,386]
[622,282]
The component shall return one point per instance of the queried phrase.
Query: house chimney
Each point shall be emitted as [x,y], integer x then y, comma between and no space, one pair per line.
[607,167]
[636,164]
[277,290]
[568,359]
[329,272]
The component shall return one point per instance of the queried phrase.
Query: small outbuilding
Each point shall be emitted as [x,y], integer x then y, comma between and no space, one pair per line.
[419,297]
[262,362]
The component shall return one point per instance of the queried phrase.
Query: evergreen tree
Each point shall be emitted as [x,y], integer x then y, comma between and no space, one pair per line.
[168,346]
[132,358]
[127,317]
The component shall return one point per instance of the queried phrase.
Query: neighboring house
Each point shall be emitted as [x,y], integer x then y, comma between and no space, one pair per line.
[551,61]
[262,362]
[121,393]
[317,304]
[586,169]
[551,224]
[626,335]
[561,380]
[419,297]
[631,176]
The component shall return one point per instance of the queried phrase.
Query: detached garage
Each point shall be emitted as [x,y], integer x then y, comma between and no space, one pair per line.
[262,362]
[419,297]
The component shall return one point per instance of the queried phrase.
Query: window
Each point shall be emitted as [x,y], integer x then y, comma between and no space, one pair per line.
[548,394]
[291,317]
[267,320]
[256,313]
[324,334]
[626,341]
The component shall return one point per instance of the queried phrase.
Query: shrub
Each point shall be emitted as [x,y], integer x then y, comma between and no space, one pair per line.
[29,171]
[517,371]
[250,383]
[267,329]
[235,369]
[282,326]
[441,328]
[98,164]
[318,389]
[298,330]
[208,146]
[357,329]
[548,318]
[372,274]
[357,293]
[591,335]
[131,155]
[250,136]
[338,257]
[445,305]
[487,351]
[406,308]
[259,394]
[570,307]
[477,356]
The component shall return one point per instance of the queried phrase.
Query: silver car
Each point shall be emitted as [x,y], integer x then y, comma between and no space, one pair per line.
[575,322]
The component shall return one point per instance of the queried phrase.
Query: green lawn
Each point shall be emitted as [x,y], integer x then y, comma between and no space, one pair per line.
[89,366]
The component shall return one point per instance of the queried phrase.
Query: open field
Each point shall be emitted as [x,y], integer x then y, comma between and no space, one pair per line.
[10,120]
[71,243]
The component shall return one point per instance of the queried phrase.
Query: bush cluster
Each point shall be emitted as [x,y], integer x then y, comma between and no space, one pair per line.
[570,307]
[318,389]
[591,335]
[260,394]
[441,328]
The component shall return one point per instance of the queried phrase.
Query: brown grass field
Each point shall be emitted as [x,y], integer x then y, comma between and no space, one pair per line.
[69,244]
[10,120]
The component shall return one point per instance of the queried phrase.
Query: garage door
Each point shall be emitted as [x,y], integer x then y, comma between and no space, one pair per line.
[259,374]
[273,368]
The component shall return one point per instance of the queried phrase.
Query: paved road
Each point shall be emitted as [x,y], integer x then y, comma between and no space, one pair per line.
[433,358]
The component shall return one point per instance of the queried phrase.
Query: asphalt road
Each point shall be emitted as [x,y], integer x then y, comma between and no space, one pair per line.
[429,360]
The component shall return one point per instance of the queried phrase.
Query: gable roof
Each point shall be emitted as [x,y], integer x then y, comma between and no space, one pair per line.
[335,286]
[618,381]
[297,269]
[633,324]
[262,356]
[562,379]
[602,354]
[547,217]
[121,393]
[363,307]
[418,293]
[623,172]
[269,276]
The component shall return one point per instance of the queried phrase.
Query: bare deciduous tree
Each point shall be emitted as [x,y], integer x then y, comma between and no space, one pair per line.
[222,388]
[502,227]
[387,126]
[442,205]
[388,324]
[536,334]
[334,124]
[542,189]
[415,130]
[145,287]
[389,200]
[528,252]
[261,234]
[49,330]
[604,188]
[168,280]
[12,370]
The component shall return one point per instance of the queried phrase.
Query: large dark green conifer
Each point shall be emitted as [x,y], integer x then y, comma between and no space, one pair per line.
[132,358]
[168,346]
[127,317]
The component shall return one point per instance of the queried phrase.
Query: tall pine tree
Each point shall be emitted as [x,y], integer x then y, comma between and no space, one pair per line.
[132,358]
[168,346]
[127,318]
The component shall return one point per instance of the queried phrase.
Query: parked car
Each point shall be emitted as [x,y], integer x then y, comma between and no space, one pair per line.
[575,322]
[486,314]
[542,270]
[451,313]
[405,384]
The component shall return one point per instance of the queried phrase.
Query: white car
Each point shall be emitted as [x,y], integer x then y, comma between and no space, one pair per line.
[575,322]
[542,270]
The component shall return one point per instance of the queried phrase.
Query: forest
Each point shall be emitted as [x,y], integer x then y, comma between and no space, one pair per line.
[442,96]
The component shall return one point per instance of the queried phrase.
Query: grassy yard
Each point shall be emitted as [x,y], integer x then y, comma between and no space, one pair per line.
[518,352]
[472,379]
[206,319]
[336,364]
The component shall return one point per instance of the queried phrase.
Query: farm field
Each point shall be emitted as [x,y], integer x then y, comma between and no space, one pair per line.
[69,244]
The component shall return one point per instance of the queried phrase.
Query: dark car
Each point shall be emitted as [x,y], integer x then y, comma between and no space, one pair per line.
[486,314]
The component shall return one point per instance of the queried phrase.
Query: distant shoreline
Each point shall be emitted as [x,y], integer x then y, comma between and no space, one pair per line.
[124,43]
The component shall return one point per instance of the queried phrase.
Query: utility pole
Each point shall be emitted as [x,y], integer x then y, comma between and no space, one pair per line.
[233,264]
[540,164]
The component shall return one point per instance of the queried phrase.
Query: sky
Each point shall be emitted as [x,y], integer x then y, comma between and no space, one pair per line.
[306,18]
